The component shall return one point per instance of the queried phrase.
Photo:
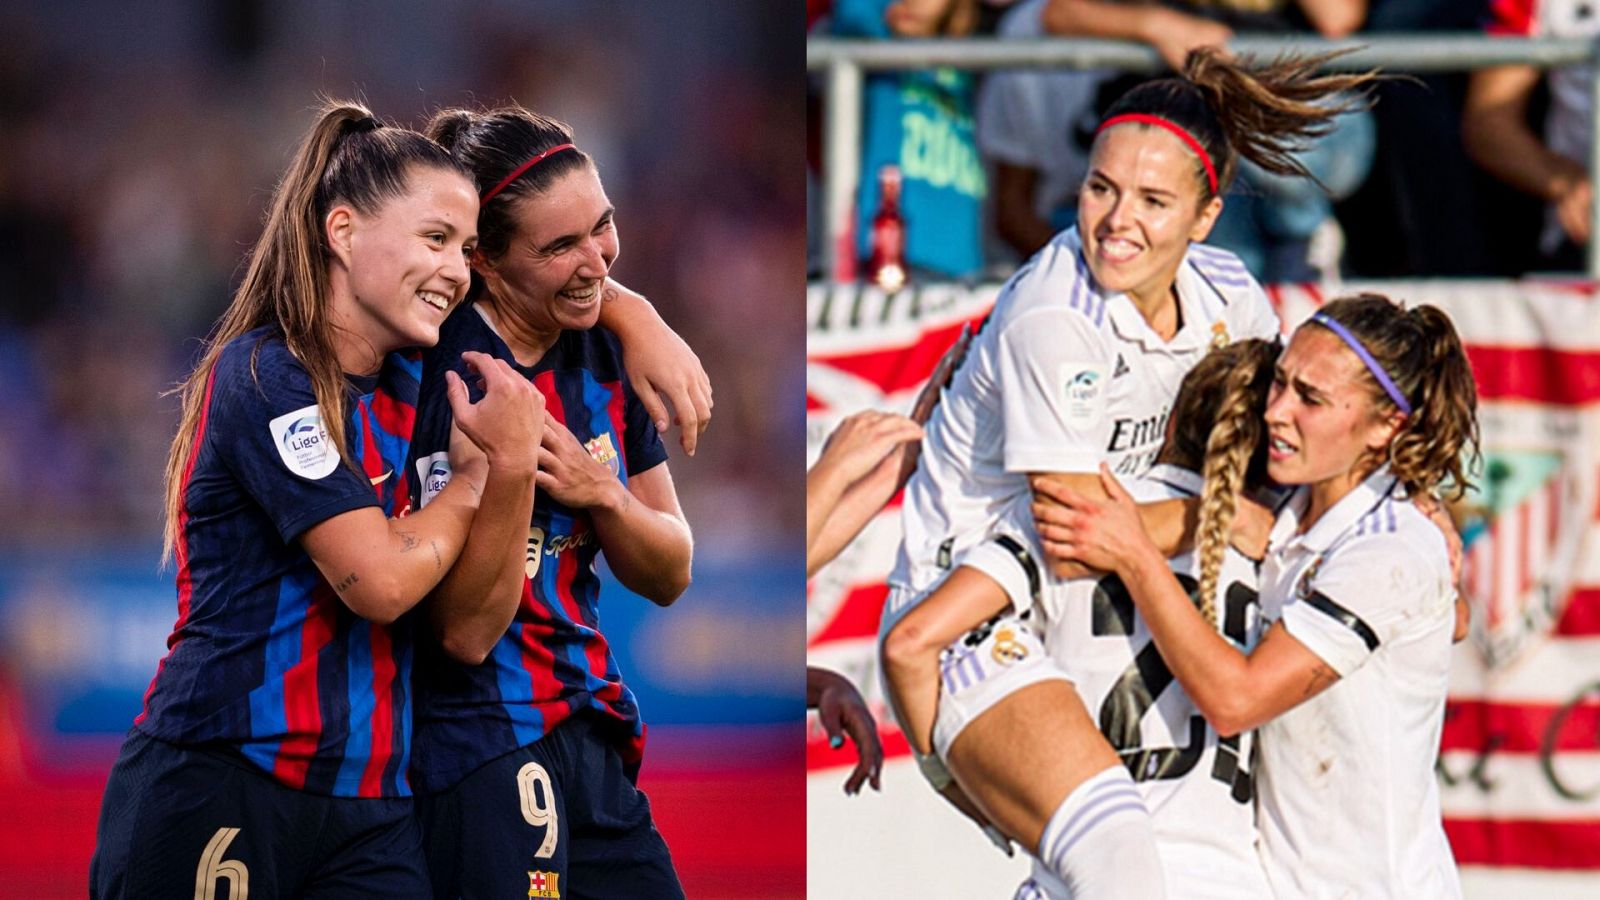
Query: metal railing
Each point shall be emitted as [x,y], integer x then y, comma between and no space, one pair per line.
[844,61]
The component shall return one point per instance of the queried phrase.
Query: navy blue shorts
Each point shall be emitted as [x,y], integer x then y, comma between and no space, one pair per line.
[560,817]
[191,821]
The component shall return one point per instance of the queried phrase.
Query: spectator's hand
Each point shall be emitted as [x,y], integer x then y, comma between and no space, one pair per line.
[1174,34]
[1573,201]
[842,711]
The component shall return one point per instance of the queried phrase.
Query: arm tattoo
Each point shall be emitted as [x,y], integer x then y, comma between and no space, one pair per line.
[345,584]
[607,295]
[1321,677]
[438,562]
[408,540]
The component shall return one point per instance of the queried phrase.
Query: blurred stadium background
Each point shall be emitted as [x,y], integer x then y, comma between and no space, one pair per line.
[1519,765]
[138,144]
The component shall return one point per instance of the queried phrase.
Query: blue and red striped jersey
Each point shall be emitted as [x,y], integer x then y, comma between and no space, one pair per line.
[553,662]
[265,658]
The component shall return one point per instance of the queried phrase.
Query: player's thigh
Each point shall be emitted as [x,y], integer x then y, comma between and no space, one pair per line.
[182,822]
[509,828]
[617,852]
[1024,742]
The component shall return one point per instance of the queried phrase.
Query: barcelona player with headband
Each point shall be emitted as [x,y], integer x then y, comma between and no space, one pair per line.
[271,754]
[1078,364]
[527,752]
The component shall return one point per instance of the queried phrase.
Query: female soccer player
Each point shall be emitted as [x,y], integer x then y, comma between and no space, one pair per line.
[1197,784]
[1371,404]
[526,755]
[1078,364]
[272,749]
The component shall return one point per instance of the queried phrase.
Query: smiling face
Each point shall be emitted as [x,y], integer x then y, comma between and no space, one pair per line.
[1324,428]
[1139,209]
[565,241]
[406,262]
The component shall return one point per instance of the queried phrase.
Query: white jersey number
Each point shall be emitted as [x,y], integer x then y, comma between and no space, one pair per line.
[1141,683]
[532,782]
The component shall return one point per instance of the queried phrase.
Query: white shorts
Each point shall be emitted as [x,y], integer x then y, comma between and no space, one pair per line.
[985,666]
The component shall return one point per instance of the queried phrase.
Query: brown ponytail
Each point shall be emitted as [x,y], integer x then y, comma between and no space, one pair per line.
[1264,112]
[1419,349]
[348,157]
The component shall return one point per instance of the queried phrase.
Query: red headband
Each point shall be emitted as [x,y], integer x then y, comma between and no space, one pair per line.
[515,173]
[1182,134]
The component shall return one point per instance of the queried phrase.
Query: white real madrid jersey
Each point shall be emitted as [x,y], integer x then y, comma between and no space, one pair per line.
[1349,805]
[1198,786]
[1061,376]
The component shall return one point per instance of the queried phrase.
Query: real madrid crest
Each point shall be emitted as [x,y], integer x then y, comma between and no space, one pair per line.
[1219,335]
[1007,649]
[1303,589]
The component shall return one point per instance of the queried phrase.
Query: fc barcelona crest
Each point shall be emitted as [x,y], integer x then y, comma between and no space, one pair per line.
[543,884]
[604,452]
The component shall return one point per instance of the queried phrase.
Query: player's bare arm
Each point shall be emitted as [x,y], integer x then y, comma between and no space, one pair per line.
[854,476]
[640,525]
[1233,690]
[661,366]
[1170,523]
[475,602]
[1496,134]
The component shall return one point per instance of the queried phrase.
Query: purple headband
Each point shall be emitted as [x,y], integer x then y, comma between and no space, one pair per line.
[1388,385]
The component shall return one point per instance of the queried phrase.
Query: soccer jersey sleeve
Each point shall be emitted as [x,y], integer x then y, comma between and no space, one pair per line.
[642,443]
[1259,319]
[430,440]
[1361,596]
[1051,364]
[269,432]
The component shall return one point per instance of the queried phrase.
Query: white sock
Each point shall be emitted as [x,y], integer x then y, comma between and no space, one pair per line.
[1100,842]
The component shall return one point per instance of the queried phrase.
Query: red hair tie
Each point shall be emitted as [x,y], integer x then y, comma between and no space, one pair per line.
[515,173]
[1182,134]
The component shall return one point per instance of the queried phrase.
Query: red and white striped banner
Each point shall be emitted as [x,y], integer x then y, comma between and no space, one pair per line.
[1519,765]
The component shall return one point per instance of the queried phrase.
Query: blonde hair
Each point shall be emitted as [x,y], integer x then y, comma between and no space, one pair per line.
[1217,431]
[348,157]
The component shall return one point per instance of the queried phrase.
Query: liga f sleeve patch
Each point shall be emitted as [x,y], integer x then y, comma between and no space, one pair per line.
[433,473]
[303,443]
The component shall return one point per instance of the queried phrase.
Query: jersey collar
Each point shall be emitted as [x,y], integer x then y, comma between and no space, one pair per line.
[1131,326]
[1335,522]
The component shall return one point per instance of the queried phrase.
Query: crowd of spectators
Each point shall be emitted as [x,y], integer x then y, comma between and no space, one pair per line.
[138,144]
[1444,175]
